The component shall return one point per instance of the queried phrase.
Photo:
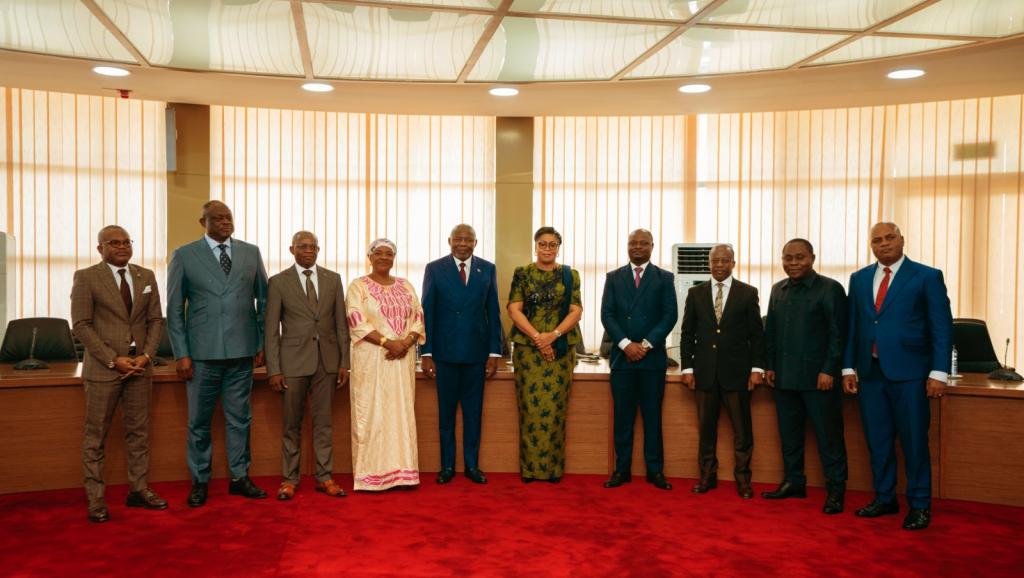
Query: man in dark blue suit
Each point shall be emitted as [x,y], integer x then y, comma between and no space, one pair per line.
[638,310]
[898,355]
[463,344]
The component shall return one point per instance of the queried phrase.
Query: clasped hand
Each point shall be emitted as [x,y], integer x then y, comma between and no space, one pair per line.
[397,349]
[130,366]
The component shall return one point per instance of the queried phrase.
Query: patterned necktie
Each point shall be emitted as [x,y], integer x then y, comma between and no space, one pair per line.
[310,289]
[462,273]
[718,302]
[883,288]
[636,280]
[126,292]
[225,261]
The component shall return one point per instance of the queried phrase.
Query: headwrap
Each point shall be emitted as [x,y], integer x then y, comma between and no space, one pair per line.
[382,241]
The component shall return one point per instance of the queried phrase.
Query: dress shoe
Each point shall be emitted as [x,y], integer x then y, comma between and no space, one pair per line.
[330,488]
[705,485]
[245,487]
[286,491]
[786,490]
[617,479]
[659,481]
[878,508]
[527,480]
[197,495]
[145,498]
[744,490]
[554,480]
[445,475]
[98,514]
[917,519]
[833,503]
[476,476]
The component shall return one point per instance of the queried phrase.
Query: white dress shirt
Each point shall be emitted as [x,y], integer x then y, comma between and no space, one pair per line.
[302,278]
[127,276]
[216,251]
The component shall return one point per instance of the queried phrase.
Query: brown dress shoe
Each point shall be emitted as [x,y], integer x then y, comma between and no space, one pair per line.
[98,514]
[744,490]
[330,488]
[145,498]
[286,491]
[705,484]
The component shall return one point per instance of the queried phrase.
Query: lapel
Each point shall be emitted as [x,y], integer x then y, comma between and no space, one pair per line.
[325,286]
[297,286]
[907,272]
[136,272]
[106,278]
[209,259]
[735,294]
[709,305]
[452,273]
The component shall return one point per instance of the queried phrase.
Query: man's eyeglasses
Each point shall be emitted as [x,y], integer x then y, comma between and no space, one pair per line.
[119,244]
[306,247]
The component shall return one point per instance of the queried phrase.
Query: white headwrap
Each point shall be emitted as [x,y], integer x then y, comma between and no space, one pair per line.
[382,241]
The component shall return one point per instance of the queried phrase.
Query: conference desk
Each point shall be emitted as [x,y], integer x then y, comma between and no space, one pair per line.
[975,451]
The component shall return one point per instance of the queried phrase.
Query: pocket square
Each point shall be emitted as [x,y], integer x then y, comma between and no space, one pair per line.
[147,289]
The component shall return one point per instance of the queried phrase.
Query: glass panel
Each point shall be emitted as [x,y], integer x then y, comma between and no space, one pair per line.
[970,17]
[715,51]
[484,4]
[147,24]
[526,49]
[879,47]
[390,43]
[849,14]
[660,9]
[60,27]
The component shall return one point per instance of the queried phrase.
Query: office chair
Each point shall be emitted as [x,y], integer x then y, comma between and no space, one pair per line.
[163,351]
[974,346]
[53,341]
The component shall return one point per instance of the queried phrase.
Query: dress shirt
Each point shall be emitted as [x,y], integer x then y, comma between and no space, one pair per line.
[726,286]
[127,275]
[302,278]
[216,251]
[632,271]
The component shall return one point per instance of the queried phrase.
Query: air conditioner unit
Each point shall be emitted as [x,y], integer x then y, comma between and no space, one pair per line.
[690,265]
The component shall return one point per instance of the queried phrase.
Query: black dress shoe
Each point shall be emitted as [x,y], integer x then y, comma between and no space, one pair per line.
[877,508]
[445,475]
[245,487]
[146,498]
[197,495]
[98,514]
[659,481]
[617,479]
[744,490]
[917,519]
[527,480]
[554,480]
[786,490]
[833,503]
[705,485]
[476,476]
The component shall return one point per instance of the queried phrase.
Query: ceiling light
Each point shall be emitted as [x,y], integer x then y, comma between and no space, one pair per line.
[504,91]
[317,87]
[110,71]
[905,73]
[694,88]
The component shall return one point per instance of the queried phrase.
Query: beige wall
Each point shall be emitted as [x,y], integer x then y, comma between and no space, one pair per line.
[513,206]
[188,187]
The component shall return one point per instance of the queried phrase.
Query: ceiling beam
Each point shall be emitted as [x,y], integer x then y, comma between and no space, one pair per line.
[303,38]
[409,6]
[485,39]
[114,30]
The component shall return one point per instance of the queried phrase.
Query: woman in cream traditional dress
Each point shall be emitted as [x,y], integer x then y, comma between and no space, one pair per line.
[386,322]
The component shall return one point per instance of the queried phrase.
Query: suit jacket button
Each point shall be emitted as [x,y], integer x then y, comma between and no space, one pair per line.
[714,347]
[718,331]
[315,338]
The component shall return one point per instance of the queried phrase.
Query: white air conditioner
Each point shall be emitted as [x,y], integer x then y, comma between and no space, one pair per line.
[690,265]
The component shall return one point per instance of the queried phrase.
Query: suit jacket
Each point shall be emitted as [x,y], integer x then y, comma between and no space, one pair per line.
[298,336]
[101,321]
[724,351]
[648,312]
[913,329]
[462,322]
[211,315]
[805,331]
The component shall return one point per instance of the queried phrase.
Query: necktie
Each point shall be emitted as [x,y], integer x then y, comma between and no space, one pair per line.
[636,279]
[462,273]
[718,302]
[225,261]
[883,288]
[126,292]
[310,289]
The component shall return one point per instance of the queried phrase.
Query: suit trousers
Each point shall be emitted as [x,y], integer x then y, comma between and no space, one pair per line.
[737,406]
[825,410]
[230,380]
[320,388]
[897,408]
[460,383]
[631,389]
[101,399]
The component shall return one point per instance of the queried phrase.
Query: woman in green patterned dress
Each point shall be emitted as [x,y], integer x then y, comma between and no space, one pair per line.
[546,314]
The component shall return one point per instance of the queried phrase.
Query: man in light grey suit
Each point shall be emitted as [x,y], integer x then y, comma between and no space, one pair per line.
[307,353]
[216,298]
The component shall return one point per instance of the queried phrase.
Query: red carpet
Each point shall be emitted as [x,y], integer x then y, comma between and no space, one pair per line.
[576,528]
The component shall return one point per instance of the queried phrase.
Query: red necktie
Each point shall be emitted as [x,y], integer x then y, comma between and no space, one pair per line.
[636,280]
[126,292]
[883,288]
[462,272]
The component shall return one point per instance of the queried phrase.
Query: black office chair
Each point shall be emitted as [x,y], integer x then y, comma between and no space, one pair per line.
[164,353]
[53,340]
[974,346]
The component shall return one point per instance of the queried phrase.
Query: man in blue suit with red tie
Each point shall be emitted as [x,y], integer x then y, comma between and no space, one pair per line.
[463,344]
[898,355]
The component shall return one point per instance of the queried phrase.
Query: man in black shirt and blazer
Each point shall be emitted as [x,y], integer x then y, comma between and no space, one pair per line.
[804,339]
[722,356]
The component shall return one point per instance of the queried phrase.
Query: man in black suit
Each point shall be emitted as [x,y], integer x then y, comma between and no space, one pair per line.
[722,353]
[638,310]
[804,338]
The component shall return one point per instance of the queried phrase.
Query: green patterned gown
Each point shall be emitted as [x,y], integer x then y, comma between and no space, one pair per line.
[542,387]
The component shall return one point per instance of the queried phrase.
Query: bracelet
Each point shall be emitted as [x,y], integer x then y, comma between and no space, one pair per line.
[535,335]
[383,341]
[558,333]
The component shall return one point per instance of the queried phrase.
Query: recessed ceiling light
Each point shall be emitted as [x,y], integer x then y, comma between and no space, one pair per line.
[110,71]
[504,91]
[317,87]
[694,88]
[905,73]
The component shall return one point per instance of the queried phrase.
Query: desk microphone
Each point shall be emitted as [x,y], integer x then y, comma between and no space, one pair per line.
[1005,373]
[32,362]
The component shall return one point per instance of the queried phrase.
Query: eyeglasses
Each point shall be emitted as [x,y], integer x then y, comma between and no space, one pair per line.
[548,244]
[306,247]
[383,253]
[119,244]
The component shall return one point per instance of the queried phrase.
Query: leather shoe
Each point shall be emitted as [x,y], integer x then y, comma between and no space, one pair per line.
[786,490]
[197,495]
[659,481]
[99,514]
[833,503]
[917,519]
[145,498]
[445,475]
[878,508]
[617,479]
[476,476]
[245,487]
[705,485]
[330,488]
[744,490]
[286,491]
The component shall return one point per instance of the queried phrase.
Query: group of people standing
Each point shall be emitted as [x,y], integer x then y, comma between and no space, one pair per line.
[224,317]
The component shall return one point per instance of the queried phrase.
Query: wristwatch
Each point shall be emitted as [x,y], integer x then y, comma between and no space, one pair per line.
[383,341]
[646,345]
[112,364]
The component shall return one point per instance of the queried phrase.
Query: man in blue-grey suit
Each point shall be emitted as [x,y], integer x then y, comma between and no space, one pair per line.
[216,297]
[463,344]
[898,354]
[638,310]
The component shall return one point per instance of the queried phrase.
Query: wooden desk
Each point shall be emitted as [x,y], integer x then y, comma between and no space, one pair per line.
[974,451]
